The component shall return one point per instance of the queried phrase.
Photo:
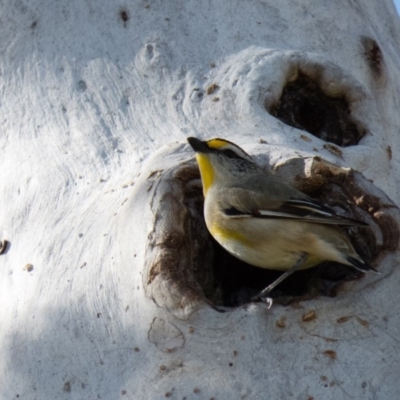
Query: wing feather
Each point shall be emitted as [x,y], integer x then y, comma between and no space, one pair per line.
[301,208]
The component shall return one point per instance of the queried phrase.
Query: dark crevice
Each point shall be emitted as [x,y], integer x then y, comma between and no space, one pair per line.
[124,16]
[305,106]
[373,56]
[238,282]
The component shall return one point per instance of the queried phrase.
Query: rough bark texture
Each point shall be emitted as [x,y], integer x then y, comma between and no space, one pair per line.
[106,269]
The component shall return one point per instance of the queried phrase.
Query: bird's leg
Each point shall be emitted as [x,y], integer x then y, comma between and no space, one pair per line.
[263,293]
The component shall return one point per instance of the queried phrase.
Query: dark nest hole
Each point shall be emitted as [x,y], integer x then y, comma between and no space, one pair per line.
[237,282]
[229,282]
[305,106]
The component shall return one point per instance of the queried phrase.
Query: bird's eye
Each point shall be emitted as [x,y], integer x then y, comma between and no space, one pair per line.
[230,154]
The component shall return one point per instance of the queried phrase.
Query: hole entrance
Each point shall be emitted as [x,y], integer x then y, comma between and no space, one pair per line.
[305,106]
[185,267]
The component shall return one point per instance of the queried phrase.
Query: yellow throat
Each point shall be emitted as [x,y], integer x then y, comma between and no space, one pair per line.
[206,172]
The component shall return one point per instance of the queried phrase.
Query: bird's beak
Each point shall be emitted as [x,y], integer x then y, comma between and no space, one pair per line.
[198,146]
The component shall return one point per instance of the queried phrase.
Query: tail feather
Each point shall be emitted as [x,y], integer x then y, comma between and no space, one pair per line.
[361,265]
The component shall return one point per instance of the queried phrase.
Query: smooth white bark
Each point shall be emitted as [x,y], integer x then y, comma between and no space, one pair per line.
[87,101]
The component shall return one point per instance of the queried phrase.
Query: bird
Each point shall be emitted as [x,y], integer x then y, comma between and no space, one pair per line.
[266,222]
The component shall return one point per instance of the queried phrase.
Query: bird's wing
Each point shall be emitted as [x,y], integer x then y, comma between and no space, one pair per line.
[292,205]
[309,211]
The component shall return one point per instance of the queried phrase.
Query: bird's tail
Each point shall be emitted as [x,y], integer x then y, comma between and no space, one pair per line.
[361,265]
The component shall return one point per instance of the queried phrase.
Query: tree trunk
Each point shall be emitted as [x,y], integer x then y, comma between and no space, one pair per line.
[111,286]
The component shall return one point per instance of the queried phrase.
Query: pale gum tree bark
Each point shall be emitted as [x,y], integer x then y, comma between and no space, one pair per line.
[107,260]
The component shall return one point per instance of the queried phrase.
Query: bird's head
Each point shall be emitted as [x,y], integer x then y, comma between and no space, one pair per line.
[220,161]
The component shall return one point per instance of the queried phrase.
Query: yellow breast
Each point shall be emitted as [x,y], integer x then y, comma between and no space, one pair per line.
[225,236]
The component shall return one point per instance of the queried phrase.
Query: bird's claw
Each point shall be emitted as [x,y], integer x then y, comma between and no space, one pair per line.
[267,300]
